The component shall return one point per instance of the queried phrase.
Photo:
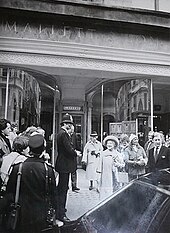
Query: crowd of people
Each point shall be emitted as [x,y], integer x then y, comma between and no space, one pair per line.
[38,191]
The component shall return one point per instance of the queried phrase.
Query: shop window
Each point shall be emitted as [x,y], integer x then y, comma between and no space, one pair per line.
[134,103]
[127,101]
[4,72]
[3,96]
[145,101]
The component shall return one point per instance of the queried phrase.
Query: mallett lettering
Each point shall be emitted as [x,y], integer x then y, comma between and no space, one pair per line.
[48,30]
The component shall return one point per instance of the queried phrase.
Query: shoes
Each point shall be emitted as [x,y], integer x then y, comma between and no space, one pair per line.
[59,223]
[74,189]
[91,187]
[65,219]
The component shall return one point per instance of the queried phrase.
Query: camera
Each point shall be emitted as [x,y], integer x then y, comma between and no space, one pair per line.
[50,216]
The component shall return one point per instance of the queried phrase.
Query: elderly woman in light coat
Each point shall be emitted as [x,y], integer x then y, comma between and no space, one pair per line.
[136,158]
[110,163]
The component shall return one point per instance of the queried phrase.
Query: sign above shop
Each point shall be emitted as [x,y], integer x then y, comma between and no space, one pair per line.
[126,127]
[72,108]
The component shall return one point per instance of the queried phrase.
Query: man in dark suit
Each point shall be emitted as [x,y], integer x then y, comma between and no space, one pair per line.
[159,155]
[66,163]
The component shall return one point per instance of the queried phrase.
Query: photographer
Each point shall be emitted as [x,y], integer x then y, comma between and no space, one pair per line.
[37,189]
[91,154]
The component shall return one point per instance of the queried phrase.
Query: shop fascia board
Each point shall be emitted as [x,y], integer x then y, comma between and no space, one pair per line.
[95,13]
[82,51]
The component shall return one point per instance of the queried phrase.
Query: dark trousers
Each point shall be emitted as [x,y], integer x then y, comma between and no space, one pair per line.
[62,190]
[74,179]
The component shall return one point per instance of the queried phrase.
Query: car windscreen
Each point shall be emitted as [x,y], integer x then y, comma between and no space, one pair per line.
[125,212]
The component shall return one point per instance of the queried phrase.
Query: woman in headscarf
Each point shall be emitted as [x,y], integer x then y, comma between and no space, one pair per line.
[136,158]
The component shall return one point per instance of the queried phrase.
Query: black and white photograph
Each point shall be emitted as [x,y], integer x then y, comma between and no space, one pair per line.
[85,116]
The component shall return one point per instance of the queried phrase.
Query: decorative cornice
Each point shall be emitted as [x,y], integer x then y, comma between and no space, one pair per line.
[33,60]
[23,52]
[52,48]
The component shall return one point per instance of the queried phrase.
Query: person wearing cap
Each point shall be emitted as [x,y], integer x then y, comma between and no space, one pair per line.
[136,158]
[33,193]
[66,163]
[110,162]
[91,154]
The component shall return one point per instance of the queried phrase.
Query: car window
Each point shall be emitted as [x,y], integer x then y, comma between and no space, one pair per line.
[125,212]
[161,221]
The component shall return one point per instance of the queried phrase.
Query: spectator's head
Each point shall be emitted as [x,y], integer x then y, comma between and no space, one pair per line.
[5,127]
[111,142]
[133,139]
[30,130]
[40,131]
[36,144]
[124,139]
[20,144]
[150,135]
[157,139]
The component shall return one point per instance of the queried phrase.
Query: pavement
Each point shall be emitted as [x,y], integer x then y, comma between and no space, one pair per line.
[78,203]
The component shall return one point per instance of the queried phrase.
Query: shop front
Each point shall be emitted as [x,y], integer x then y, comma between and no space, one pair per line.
[104,66]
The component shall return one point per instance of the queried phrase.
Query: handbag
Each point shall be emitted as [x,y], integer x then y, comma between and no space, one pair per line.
[14,208]
[50,218]
[123,177]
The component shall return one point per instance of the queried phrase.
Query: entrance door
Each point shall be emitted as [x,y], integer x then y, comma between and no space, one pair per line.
[78,120]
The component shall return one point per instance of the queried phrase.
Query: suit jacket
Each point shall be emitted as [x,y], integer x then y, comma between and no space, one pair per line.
[163,160]
[67,157]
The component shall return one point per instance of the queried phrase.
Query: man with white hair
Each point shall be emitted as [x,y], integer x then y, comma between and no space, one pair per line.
[159,156]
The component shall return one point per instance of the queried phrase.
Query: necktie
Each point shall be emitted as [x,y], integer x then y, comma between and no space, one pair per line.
[156,153]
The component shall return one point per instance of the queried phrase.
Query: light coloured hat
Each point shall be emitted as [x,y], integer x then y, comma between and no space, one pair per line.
[132,136]
[112,138]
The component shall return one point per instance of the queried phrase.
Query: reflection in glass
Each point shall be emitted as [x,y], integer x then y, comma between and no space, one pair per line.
[126,108]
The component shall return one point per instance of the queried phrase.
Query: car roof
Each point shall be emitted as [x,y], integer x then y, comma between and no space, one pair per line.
[159,178]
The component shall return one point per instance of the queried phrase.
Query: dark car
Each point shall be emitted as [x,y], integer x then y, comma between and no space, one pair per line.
[143,206]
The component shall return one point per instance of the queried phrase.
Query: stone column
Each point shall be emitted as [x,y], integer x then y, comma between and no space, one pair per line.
[89,118]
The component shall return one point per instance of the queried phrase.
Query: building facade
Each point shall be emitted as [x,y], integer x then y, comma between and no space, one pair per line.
[102,61]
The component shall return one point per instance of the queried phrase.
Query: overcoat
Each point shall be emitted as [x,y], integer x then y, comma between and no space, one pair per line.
[67,157]
[90,159]
[134,156]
